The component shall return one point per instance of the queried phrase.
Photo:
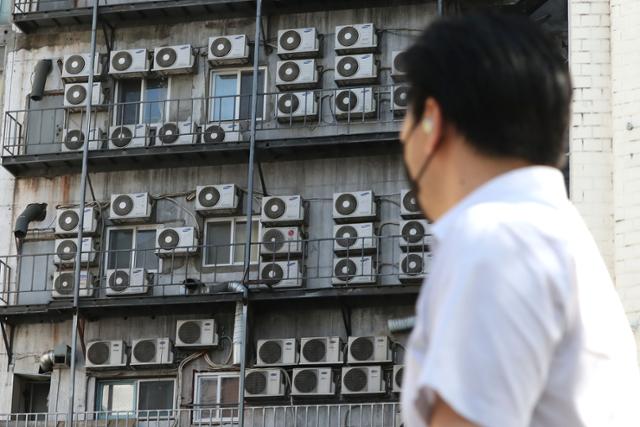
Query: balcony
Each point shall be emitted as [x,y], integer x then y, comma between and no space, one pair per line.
[326,123]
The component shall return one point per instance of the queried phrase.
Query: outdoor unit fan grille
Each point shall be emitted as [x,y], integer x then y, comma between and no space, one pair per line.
[75,64]
[121,136]
[273,240]
[356,379]
[74,139]
[123,205]
[345,269]
[270,352]
[409,202]
[68,220]
[145,351]
[306,381]
[66,250]
[413,232]
[99,353]
[413,264]
[190,332]
[399,62]
[398,377]
[347,66]
[314,350]
[401,96]
[361,349]
[166,57]
[220,47]
[209,197]
[272,273]
[348,36]
[256,382]
[122,61]
[168,239]
[290,40]
[275,208]
[119,281]
[169,133]
[288,103]
[214,133]
[346,236]
[64,283]
[289,71]
[346,204]
[76,94]
[346,101]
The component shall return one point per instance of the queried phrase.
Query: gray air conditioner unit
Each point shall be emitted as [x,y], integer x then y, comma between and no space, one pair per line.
[409,207]
[75,67]
[356,69]
[281,242]
[362,380]
[414,266]
[398,372]
[415,235]
[282,274]
[176,241]
[106,354]
[134,207]
[321,351]
[297,106]
[219,132]
[128,136]
[298,42]
[129,63]
[374,349]
[277,352]
[151,352]
[297,74]
[180,133]
[398,66]
[354,239]
[127,281]
[355,104]
[73,140]
[312,382]
[354,270]
[356,38]
[400,99]
[75,95]
[200,333]
[354,206]
[174,59]
[66,250]
[264,383]
[68,221]
[282,210]
[227,50]
[223,199]
[63,285]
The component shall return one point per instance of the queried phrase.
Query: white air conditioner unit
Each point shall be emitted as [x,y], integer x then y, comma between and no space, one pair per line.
[354,239]
[297,74]
[355,69]
[180,133]
[282,210]
[277,352]
[356,38]
[154,351]
[398,67]
[409,207]
[355,270]
[174,59]
[221,199]
[321,351]
[75,95]
[128,136]
[134,207]
[218,132]
[354,206]
[298,42]
[414,266]
[264,383]
[312,382]
[226,50]
[200,333]
[363,380]
[68,221]
[75,67]
[176,241]
[73,139]
[63,284]
[355,103]
[106,354]
[296,106]
[282,274]
[127,281]
[400,99]
[374,349]
[281,242]
[415,234]
[129,63]
[398,372]
[66,250]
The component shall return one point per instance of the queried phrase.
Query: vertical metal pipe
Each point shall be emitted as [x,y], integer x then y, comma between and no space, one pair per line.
[83,191]
[440,7]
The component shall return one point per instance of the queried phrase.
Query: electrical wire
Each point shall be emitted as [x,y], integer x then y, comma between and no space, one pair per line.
[188,212]
[181,366]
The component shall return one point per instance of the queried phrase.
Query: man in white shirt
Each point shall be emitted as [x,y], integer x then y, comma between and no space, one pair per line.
[519,323]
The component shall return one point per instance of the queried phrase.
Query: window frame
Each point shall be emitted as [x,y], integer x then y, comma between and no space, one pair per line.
[234,220]
[135,228]
[217,418]
[136,398]
[238,73]
[143,88]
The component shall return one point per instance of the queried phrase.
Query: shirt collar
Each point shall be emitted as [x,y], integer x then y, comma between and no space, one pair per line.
[542,184]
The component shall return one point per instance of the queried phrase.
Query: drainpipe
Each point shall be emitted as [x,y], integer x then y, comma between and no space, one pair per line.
[33,212]
[440,7]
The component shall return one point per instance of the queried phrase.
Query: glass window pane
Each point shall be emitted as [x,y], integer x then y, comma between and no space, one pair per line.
[129,91]
[246,85]
[155,395]
[240,240]
[229,391]
[225,90]
[208,392]
[217,250]
[154,96]
[145,250]
[120,244]
[122,397]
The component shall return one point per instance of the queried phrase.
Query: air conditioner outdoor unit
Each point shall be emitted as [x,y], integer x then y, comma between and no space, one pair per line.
[264,383]
[297,106]
[106,354]
[356,38]
[356,103]
[129,63]
[75,95]
[73,139]
[282,210]
[354,206]
[226,50]
[281,242]
[154,351]
[298,42]
[409,208]
[68,221]
[282,274]
[277,352]
[128,136]
[321,351]
[200,333]
[354,239]
[220,199]
[134,207]
[374,349]
[398,66]
[63,284]
[66,250]
[75,67]
[400,99]
[415,234]
[398,371]
[174,59]
[356,270]
[127,281]
[312,382]
[297,74]
[414,266]
[363,380]
[218,132]
[176,241]
[180,133]
[356,69]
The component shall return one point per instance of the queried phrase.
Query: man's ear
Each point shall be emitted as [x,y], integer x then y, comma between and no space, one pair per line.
[432,126]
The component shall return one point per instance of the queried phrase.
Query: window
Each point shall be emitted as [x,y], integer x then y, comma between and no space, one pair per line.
[216,397]
[132,247]
[141,101]
[225,238]
[125,398]
[231,94]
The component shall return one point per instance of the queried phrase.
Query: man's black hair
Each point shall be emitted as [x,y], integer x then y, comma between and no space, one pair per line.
[499,79]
